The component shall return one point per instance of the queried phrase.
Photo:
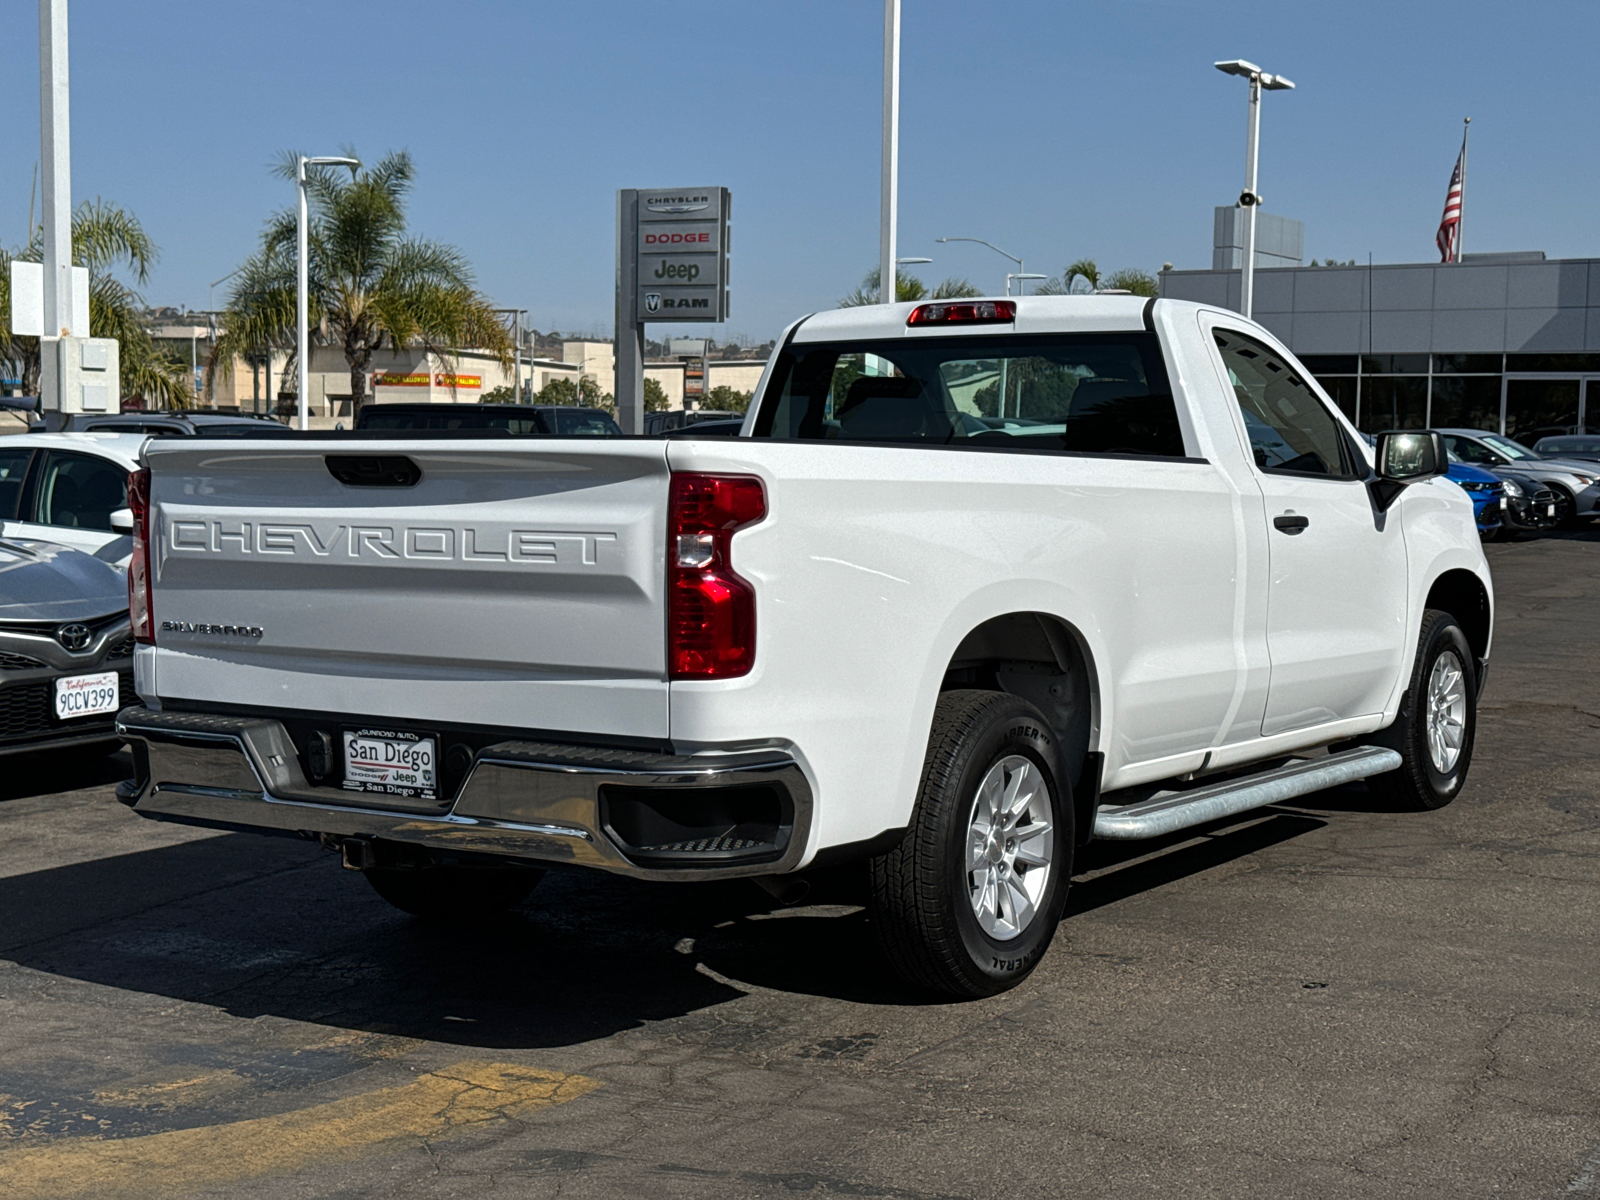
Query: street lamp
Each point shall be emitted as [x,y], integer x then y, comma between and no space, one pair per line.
[900,262]
[997,250]
[1250,199]
[301,333]
[1019,278]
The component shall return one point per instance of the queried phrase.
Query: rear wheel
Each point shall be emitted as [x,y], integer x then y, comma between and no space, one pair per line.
[968,902]
[452,892]
[1438,720]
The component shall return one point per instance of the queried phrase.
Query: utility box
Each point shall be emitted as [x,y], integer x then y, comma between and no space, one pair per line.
[78,375]
[1280,241]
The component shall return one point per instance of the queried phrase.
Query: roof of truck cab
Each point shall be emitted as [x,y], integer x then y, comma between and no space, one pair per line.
[1035,314]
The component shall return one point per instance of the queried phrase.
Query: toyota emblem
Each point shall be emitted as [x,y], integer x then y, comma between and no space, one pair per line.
[74,637]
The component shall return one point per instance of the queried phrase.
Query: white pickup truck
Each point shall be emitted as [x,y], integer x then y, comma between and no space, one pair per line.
[980,581]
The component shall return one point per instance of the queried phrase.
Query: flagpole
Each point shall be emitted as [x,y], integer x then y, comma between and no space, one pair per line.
[1461,219]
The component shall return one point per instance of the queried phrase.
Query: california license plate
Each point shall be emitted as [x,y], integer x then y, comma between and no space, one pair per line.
[86,696]
[391,763]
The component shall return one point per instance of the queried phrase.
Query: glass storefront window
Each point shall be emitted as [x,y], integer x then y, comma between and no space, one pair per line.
[1393,402]
[1329,364]
[1394,364]
[1466,401]
[1341,390]
[1468,364]
[1552,362]
[1537,408]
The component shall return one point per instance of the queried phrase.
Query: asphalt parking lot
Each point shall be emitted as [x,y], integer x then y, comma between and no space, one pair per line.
[1323,999]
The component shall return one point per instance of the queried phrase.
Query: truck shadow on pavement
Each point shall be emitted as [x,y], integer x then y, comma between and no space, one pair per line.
[56,771]
[263,926]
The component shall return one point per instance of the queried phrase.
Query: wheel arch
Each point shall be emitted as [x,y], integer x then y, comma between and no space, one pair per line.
[1047,661]
[1463,595]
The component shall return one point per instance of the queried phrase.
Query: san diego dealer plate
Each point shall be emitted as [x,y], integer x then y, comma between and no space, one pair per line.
[391,763]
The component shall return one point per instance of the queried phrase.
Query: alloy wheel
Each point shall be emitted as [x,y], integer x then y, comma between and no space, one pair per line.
[1010,846]
[1447,712]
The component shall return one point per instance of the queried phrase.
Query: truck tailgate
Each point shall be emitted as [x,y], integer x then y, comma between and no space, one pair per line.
[515,584]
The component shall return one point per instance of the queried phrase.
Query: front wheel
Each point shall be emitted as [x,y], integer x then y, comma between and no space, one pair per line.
[1566,514]
[453,893]
[1438,720]
[968,902]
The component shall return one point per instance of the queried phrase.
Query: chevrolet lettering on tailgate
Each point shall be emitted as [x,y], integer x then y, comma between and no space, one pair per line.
[425,543]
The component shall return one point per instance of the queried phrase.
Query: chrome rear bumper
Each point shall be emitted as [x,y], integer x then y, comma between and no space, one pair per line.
[524,800]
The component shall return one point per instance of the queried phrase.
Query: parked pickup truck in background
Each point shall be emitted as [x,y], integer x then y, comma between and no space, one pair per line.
[981,580]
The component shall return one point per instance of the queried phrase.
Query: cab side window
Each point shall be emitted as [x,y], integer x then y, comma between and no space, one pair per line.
[80,491]
[1290,430]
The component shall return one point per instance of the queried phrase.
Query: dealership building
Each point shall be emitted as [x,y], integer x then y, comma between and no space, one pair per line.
[1507,342]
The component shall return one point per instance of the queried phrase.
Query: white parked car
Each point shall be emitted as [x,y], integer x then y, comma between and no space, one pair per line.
[981,580]
[71,489]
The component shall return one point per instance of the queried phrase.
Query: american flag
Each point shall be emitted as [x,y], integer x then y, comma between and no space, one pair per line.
[1449,234]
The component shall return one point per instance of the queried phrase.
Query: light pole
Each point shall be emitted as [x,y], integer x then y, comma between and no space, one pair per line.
[998,251]
[1019,277]
[516,315]
[1250,199]
[889,198]
[302,334]
[55,141]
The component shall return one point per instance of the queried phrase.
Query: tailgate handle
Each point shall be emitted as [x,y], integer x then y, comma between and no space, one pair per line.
[373,470]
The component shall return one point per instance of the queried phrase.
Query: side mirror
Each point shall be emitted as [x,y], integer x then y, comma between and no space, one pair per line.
[122,520]
[1406,457]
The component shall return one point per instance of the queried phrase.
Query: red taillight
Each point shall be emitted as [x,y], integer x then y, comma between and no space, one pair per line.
[139,615]
[711,612]
[963,312]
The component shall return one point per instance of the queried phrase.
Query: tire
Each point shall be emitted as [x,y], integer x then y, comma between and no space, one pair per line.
[1566,509]
[1429,776]
[453,893]
[941,924]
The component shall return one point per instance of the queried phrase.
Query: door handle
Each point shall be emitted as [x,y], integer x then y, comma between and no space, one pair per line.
[1291,524]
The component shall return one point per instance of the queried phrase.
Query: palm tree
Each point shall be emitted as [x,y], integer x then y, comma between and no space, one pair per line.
[104,236]
[907,289]
[371,285]
[955,289]
[1131,279]
[1128,279]
[1083,269]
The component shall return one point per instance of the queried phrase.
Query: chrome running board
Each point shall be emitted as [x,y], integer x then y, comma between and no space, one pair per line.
[1169,812]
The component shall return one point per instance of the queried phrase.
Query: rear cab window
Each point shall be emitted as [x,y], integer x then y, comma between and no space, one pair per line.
[1091,393]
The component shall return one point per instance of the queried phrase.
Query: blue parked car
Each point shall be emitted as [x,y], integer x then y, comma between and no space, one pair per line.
[1486,491]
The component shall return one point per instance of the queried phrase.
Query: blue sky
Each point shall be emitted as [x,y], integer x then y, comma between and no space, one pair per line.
[1053,129]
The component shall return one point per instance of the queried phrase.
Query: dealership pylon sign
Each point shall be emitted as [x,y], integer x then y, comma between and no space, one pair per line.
[672,265]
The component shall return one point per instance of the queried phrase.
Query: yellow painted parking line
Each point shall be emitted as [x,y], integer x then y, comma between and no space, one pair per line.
[182,1160]
[169,1092]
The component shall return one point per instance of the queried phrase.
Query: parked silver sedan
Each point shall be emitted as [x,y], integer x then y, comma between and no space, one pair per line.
[1584,446]
[66,654]
[1576,484]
